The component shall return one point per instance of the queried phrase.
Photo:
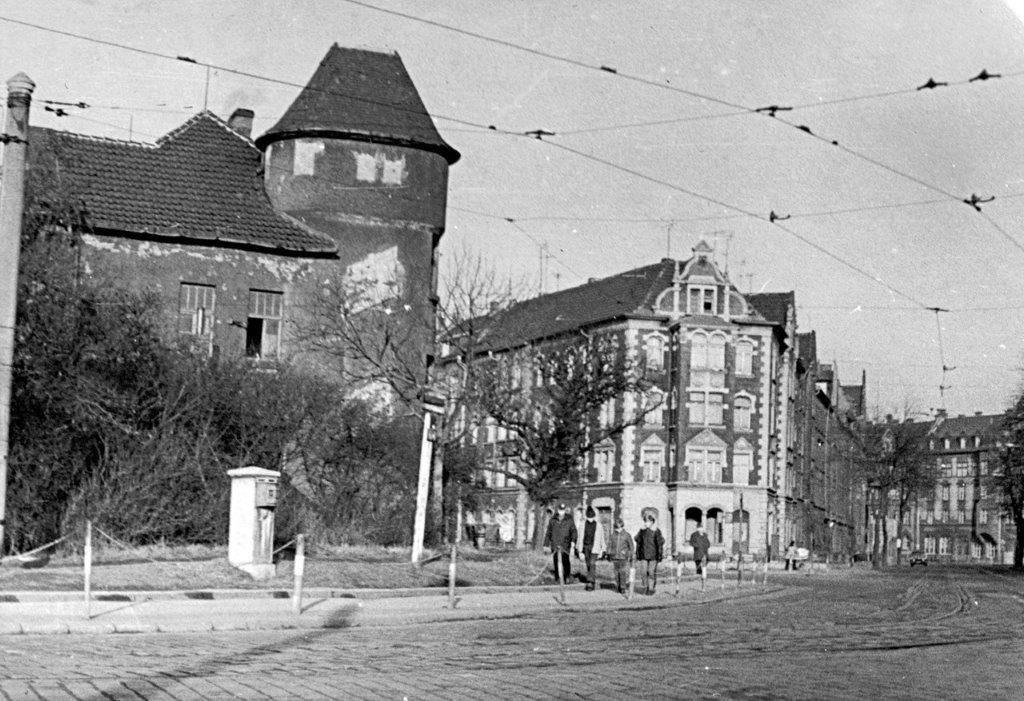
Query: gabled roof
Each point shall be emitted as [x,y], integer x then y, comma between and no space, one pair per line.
[201,182]
[773,306]
[628,293]
[977,425]
[361,95]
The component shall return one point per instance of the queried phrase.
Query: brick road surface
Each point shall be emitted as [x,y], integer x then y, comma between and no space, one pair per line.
[923,633]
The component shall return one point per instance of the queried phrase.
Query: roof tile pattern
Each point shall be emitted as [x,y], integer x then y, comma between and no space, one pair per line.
[201,181]
[773,306]
[362,95]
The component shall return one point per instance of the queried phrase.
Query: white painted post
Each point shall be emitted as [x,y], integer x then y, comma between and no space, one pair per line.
[451,577]
[432,404]
[300,570]
[88,569]
[721,567]
[561,576]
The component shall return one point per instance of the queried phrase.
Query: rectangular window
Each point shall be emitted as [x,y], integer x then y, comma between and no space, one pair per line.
[744,358]
[263,327]
[715,410]
[943,545]
[603,460]
[982,516]
[945,492]
[741,464]
[701,300]
[741,414]
[705,465]
[652,459]
[696,407]
[195,308]
[961,492]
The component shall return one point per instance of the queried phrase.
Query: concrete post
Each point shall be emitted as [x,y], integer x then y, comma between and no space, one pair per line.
[419,525]
[12,205]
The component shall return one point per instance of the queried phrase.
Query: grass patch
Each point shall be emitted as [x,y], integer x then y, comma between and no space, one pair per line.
[197,569]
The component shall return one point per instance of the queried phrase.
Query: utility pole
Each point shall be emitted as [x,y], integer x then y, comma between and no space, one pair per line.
[433,405]
[12,204]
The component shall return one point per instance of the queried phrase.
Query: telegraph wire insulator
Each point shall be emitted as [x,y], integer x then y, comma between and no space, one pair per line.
[12,139]
[773,217]
[59,111]
[186,59]
[931,84]
[609,69]
[975,201]
[804,127]
[770,110]
[538,133]
[985,75]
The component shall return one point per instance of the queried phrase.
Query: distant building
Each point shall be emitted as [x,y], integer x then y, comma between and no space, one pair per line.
[237,236]
[724,367]
[962,521]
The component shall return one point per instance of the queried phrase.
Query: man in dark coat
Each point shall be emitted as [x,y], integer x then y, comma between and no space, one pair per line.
[560,537]
[591,546]
[701,545]
[649,545]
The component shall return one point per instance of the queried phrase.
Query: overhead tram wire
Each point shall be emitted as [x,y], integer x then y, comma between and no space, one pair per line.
[751,214]
[794,107]
[247,74]
[600,68]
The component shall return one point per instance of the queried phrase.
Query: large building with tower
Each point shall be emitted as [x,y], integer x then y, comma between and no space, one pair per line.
[724,366]
[238,235]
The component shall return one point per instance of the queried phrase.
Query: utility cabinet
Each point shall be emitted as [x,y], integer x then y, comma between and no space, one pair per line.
[251,531]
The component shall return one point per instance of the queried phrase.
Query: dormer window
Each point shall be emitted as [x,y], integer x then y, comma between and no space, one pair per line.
[702,299]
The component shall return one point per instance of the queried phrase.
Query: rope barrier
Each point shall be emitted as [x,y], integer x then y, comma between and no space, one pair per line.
[34,550]
[290,542]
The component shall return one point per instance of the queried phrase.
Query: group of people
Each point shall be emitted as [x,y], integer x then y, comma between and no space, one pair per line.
[589,543]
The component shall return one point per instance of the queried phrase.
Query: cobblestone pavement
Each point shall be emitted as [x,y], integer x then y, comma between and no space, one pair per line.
[923,633]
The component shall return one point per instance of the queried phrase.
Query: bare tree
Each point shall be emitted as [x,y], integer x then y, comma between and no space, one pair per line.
[897,470]
[550,399]
[1009,478]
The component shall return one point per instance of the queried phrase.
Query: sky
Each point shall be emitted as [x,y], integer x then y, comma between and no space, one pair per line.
[647,160]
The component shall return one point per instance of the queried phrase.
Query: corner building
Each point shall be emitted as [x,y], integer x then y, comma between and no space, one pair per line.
[714,360]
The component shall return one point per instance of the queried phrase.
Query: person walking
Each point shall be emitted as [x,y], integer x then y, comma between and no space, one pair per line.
[560,537]
[791,556]
[701,544]
[591,546]
[649,545]
[621,550]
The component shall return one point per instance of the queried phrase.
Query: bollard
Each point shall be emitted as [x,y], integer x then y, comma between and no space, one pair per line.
[632,581]
[764,580]
[451,577]
[88,569]
[679,575]
[300,568]
[721,567]
[739,569]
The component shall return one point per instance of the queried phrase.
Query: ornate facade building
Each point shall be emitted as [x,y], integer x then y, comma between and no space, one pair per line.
[723,451]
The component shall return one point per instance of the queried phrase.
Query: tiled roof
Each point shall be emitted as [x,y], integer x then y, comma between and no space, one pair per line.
[201,181]
[362,95]
[976,425]
[631,292]
[807,347]
[773,306]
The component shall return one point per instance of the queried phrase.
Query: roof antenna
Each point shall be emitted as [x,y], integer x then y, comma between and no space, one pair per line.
[206,90]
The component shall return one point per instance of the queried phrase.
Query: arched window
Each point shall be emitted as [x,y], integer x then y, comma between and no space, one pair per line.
[654,352]
[744,358]
[698,351]
[741,413]
[716,353]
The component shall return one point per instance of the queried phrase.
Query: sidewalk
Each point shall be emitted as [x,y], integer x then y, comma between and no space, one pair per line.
[158,612]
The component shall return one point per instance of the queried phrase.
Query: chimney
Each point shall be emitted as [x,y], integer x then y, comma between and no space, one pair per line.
[977,413]
[241,121]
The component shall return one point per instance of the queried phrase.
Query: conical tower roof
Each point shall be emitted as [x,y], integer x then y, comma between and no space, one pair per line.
[365,96]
